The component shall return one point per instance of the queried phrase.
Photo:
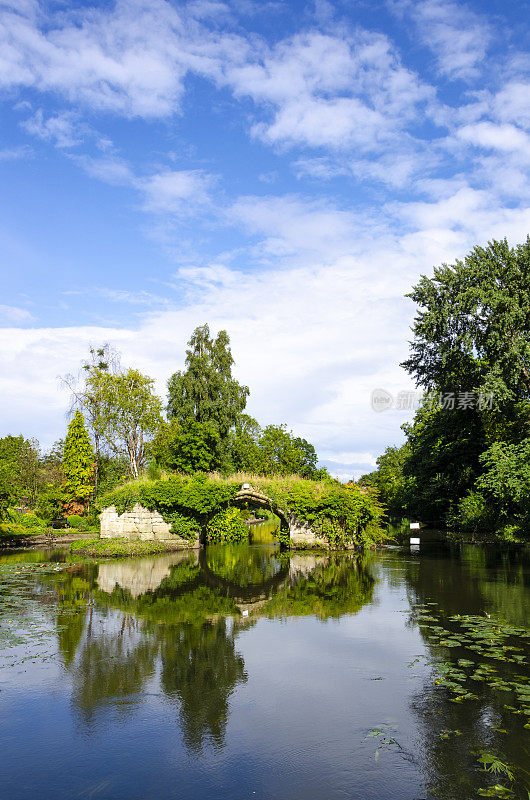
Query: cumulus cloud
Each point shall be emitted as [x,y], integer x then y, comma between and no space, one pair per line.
[331,90]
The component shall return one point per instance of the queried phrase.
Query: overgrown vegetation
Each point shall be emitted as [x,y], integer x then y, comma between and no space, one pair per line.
[343,515]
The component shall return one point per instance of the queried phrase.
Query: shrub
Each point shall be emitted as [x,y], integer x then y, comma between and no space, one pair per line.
[79,523]
[31,522]
[50,503]
[183,527]
[12,529]
[227,526]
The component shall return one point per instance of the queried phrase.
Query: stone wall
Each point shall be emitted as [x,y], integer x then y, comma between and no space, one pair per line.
[302,535]
[140,523]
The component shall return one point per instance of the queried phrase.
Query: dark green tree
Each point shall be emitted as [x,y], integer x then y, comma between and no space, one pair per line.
[284,454]
[472,331]
[189,448]
[205,391]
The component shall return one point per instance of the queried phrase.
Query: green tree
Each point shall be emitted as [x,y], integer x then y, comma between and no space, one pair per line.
[78,466]
[245,452]
[189,448]
[20,460]
[128,413]
[389,480]
[84,395]
[283,454]
[206,392]
[472,330]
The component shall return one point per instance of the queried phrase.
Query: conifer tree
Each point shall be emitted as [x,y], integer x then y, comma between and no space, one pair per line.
[78,466]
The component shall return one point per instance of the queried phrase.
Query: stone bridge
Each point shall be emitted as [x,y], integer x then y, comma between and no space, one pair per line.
[140,523]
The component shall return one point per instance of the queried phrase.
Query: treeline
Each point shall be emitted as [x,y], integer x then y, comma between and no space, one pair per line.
[465,463]
[121,429]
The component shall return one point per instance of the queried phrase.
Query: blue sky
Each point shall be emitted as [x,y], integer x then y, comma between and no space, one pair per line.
[284,170]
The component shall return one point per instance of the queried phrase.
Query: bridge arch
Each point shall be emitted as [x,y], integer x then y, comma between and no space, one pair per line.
[292,530]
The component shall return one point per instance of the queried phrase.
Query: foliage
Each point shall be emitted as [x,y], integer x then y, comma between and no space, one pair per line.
[206,392]
[284,454]
[393,486]
[10,530]
[464,466]
[79,523]
[227,526]
[8,494]
[344,514]
[191,447]
[78,465]
[50,503]
[30,522]
[472,330]
[117,548]
[501,500]
[19,471]
[111,471]
[272,450]
[128,413]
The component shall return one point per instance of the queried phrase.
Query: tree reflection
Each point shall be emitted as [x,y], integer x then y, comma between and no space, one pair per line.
[184,614]
[201,668]
[470,580]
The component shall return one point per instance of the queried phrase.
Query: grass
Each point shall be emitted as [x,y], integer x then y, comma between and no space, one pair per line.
[117,548]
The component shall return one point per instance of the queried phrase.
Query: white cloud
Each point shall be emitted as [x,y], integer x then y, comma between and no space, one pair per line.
[173,190]
[64,129]
[131,59]
[510,104]
[328,90]
[506,138]
[15,153]
[457,36]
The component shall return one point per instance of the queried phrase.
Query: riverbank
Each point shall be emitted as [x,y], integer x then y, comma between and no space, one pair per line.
[32,541]
[120,548]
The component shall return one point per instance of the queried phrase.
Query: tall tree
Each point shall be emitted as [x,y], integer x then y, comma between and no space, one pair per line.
[206,391]
[473,328]
[128,413]
[78,466]
[84,398]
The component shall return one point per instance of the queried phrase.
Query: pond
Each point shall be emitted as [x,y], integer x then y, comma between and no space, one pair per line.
[243,672]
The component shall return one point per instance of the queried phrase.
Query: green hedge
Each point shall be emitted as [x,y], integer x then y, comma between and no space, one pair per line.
[342,514]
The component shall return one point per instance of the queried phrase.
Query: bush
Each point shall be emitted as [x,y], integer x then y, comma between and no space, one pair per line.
[227,526]
[183,527]
[30,521]
[50,503]
[79,523]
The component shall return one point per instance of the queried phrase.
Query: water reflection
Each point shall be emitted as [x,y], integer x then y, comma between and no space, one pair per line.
[455,584]
[178,616]
[241,670]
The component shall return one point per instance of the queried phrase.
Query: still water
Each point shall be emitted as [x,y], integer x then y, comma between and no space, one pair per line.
[242,672]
